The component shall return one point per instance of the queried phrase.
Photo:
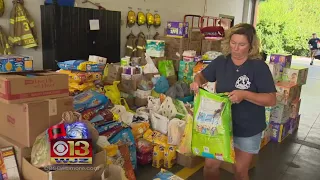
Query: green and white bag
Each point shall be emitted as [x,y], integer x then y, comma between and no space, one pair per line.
[212,135]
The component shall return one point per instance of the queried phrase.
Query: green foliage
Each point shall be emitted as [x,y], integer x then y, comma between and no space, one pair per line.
[285,26]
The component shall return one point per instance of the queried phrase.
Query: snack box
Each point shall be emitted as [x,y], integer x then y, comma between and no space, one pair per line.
[295,75]
[280,113]
[177,29]
[15,64]
[287,92]
[275,71]
[282,59]
[8,163]
[280,131]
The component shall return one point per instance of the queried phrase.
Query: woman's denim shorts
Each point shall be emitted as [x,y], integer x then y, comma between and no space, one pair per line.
[248,144]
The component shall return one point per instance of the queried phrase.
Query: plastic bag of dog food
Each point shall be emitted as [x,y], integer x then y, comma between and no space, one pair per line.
[212,135]
[81,65]
[89,99]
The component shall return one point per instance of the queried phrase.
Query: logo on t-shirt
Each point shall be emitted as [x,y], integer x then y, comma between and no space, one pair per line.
[243,82]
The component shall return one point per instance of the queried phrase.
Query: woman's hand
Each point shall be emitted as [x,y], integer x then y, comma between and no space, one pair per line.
[195,87]
[237,96]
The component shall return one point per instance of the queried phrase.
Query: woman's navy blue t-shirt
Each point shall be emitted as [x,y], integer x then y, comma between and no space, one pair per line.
[254,75]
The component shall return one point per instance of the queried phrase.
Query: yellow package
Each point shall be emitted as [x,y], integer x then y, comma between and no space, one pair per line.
[148,135]
[170,156]
[81,87]
[139,128]
[155,137]
[111,151]
[158,156]
[82,77]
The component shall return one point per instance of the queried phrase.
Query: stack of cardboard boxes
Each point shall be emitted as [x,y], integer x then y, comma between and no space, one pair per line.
[179,38]
[289,79]
[29,104]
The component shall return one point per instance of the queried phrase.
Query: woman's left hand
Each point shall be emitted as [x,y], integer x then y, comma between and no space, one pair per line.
[237,96]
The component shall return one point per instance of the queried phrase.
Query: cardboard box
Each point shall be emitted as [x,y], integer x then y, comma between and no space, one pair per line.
[12,63]
[280,131]
[294,124]
[286,92]
[229,167]
[196,46]
[20,150]
[275,71]
[195,36]
[280,113]
[295,75]
[27,87]
[282,59]
[30,172]
[210,45]
[177,29]
[189,161]
[31,119]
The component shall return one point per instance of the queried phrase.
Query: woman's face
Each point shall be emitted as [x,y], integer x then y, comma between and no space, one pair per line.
[239,46]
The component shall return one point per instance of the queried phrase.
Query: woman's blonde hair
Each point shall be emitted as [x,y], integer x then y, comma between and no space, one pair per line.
[247,30]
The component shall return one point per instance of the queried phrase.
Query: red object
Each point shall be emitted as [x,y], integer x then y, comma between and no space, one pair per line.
[144,158]
[211,27]
[213,32]
[71,151]
[57,131]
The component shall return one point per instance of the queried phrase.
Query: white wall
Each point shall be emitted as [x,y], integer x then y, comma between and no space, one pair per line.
[170,10]
[226,7]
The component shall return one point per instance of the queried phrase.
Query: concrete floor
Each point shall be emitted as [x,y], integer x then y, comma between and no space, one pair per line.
[297,158]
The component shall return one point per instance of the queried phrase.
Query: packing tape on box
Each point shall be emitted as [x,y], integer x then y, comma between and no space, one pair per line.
[53,107]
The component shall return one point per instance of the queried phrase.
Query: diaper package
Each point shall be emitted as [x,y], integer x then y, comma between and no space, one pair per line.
[81,65]
[126,137]
[175,131]
[212,135]
[186,71]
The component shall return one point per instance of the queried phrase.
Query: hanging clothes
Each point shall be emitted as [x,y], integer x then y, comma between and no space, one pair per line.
[22,27]
[5,48]
[141,45]
[131,45]
[2,8]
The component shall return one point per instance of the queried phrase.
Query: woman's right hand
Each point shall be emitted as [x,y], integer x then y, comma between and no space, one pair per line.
[195,87]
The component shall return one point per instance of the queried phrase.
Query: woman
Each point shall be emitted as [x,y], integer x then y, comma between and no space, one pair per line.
[249,82]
